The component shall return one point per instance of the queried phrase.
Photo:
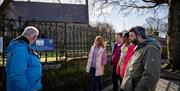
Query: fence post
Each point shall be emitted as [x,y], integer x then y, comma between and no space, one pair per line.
[74,42]
[56,41]
[65,40]
[19,19]
[110,37]
[46,51]
[70,39]
[81,36]
[86,46]
[3,29]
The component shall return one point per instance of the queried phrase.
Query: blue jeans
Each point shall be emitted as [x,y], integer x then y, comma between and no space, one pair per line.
[96,80]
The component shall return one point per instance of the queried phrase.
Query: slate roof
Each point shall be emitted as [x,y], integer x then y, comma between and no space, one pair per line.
[51,11]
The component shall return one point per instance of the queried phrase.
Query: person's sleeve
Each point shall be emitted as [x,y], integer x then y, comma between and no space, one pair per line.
[152,69]
[19,68]
[104,57]
[90,52]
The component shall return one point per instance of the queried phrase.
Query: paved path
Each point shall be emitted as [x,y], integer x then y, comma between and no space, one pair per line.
[167,85]
[163,85]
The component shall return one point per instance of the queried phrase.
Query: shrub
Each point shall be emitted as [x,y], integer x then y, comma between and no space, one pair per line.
[70,77]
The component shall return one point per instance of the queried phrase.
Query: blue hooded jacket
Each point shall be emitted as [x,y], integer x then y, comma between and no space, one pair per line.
[23,67]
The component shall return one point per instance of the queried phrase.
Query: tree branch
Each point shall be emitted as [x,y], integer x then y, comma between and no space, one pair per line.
[143,7]
[156,1]
[147,1]
[128,5]
[4,5]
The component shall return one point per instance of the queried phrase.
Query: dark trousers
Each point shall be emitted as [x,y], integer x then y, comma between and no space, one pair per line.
[96,80]
[115,79]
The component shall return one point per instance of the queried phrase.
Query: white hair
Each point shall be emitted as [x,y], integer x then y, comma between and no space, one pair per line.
[30,30]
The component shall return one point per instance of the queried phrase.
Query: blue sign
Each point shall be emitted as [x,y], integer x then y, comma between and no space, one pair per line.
[43,45]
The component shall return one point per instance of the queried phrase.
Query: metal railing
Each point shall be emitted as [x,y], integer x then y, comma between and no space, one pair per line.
[71,40]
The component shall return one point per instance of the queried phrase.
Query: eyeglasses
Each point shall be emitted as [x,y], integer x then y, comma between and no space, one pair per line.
[36,36]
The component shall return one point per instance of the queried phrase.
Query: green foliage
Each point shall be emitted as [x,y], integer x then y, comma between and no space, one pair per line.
[70,77]
[156,33]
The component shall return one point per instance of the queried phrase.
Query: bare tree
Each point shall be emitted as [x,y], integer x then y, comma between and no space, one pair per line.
[106,27]
[129,6]
[173,20]
[155,25]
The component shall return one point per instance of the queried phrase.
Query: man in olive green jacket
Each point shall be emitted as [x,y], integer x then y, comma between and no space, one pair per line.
[143,70]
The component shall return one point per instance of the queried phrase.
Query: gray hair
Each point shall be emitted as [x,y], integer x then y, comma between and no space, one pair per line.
[30,30]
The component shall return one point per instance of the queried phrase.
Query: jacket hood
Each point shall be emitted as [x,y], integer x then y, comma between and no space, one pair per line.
[153,42]
[15,43]
[150,41]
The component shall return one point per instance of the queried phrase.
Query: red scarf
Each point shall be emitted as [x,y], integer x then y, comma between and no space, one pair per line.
[127,58]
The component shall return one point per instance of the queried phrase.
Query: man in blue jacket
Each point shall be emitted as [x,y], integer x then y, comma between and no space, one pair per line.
[23,67]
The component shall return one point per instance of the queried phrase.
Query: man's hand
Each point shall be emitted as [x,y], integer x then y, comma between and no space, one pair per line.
[118,69]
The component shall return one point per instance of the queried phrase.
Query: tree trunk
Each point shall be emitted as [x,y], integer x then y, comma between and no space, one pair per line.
[173,39]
